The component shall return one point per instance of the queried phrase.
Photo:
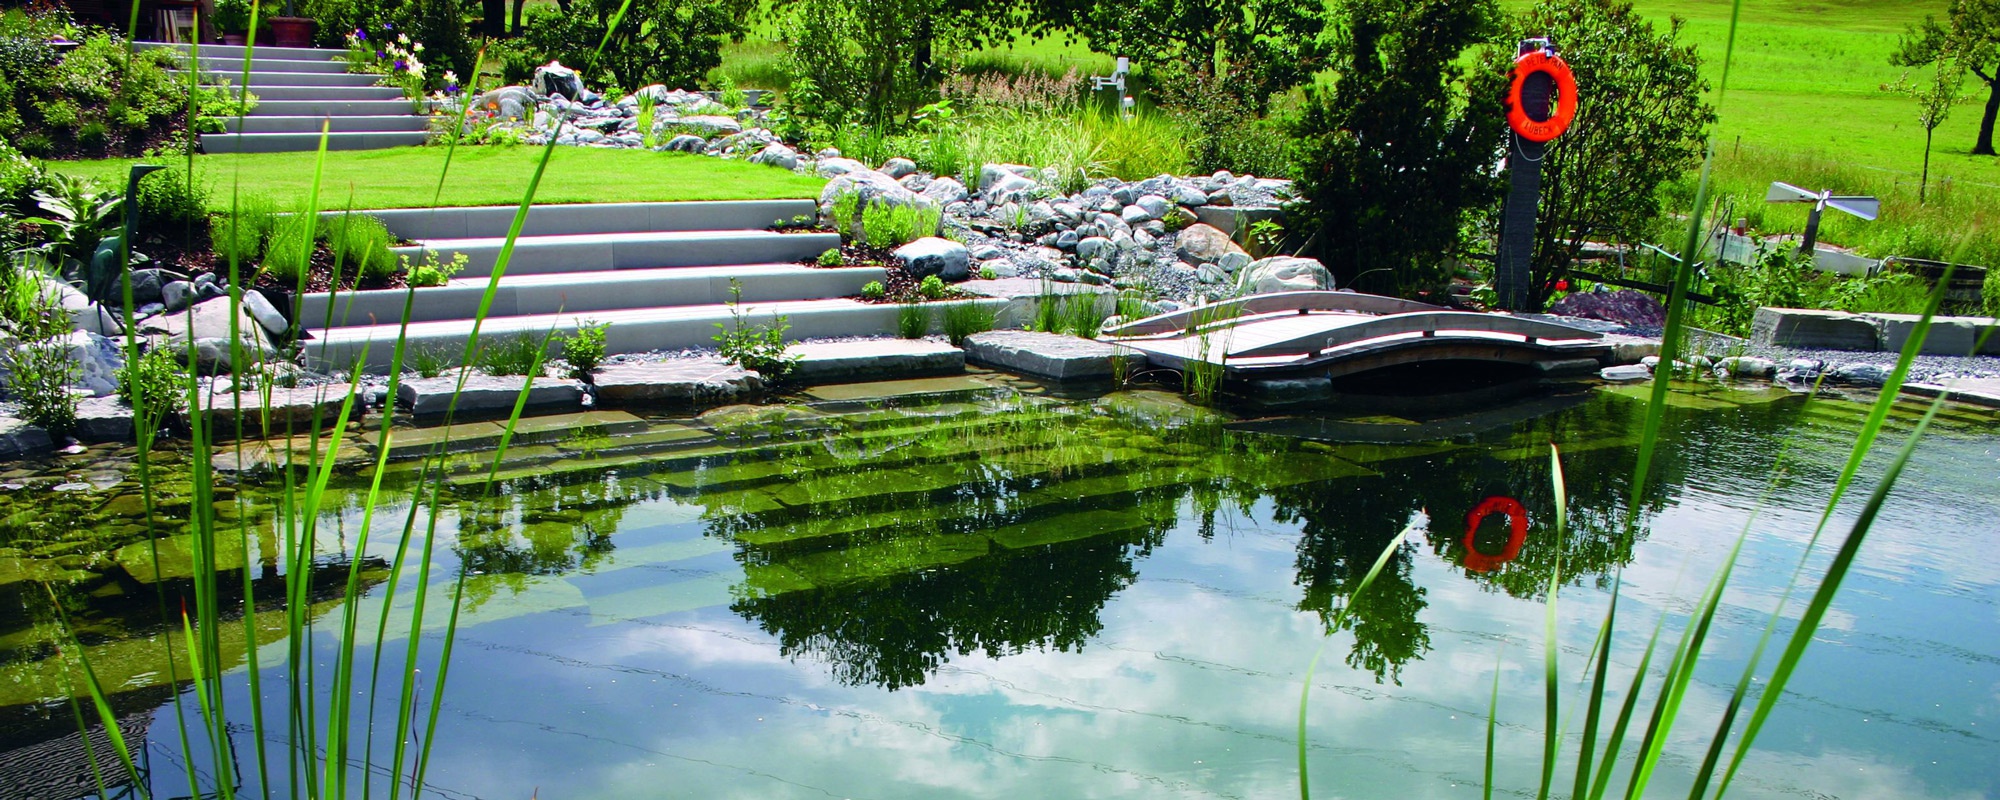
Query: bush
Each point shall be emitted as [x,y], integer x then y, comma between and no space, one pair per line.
[521,354]
[38,376]
[965,319]
[361,245]
[1394,159]
[239,236]
[672,42]
[1989,291]
[161,382]
[885,226]
[433,272]
[19,177]
[289,247]
[932,287]
[873,290]
[584,349]
[758,348]
[913,320]
[830,257]
[173,207]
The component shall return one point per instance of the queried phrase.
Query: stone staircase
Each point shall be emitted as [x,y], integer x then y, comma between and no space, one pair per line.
[659,273]
[299,89]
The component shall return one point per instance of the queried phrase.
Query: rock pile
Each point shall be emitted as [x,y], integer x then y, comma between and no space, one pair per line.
[1014,221]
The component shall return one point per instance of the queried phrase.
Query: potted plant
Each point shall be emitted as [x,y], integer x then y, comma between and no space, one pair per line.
[232,18]
[292,31]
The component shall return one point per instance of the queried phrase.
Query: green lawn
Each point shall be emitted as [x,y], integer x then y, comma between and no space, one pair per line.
[407,177]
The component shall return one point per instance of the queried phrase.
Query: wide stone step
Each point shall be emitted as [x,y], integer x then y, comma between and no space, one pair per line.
[384,123]
[552,293]
[233,66]
[260,77]
[306,108]
[297,142]
[633,330]
[259,52]
[593,252]
[337,94]
[471,222]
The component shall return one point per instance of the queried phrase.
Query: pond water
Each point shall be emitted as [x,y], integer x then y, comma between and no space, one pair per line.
[969,587]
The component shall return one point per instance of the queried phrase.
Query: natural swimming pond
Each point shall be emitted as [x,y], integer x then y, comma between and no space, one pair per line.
[968,587]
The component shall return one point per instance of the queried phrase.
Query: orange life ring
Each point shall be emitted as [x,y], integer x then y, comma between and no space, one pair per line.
[1517,532]
[1565,97]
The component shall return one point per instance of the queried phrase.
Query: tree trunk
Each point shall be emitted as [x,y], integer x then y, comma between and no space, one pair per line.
[1984,146]
[921,56]
[493,17]
[518,6]
[1924,185]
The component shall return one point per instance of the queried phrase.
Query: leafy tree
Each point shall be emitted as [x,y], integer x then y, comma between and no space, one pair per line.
[1391,159]
[864,61]
[1640,123]
[673,42]
[1255,48]
[1969,36]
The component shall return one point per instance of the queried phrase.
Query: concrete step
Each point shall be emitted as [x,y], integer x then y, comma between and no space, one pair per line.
[335,108]
[266,63]
[469,222]
[298,142]
[330,94]
[261,78]
[632,330]
[364,124]
[596,252]
[585,292]
[261,52]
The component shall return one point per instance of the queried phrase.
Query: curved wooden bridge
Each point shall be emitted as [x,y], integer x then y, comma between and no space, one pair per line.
[1340,333]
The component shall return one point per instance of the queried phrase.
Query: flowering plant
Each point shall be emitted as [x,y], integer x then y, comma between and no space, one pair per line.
[394,56]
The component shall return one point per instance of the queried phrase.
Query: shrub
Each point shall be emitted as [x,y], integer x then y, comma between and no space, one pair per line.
[239,236]
[161,385]
[1392,159]
[430,362]
[932,287]
[846,206]
[1989,291]
[584,349]
[173,207]
[913,320]
[873,290]
[988,273]
[965,319]
[433,272]
[886,226]
[288,248]
[830,257]
[520,354]
[361,244]
[19,177]
[39,372]
[673,42]
[758,348]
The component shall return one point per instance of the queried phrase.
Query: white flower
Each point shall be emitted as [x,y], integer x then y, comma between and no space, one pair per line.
[403,37]
[450,77]
[419,47]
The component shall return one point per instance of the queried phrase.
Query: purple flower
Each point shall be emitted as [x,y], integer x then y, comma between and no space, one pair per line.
[380,54]
[360,34]
[400,66]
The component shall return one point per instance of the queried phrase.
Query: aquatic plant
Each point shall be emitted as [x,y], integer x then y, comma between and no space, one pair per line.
[913,320]
[966,318]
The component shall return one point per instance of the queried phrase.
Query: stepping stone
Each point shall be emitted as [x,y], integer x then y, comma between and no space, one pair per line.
[875,359]
[681,380]
[18,438]
[921,387]
[286,409]
[1814,329]
[1048,355]
[484,394]
[1976,391]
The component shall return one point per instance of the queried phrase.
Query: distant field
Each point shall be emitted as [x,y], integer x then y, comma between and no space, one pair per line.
[407,177]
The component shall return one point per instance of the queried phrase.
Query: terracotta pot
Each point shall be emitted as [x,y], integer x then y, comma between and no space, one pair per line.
[235,39]
[293,31]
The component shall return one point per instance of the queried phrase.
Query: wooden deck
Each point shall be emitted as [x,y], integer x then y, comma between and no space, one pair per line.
[1339,333]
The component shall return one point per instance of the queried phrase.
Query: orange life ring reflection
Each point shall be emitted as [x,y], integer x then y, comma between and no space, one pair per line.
[1517,532]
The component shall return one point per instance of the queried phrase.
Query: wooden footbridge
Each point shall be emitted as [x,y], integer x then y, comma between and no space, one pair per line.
[1342,333]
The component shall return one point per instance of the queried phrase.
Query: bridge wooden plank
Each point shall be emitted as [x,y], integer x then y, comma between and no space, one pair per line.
[1318,333]
[1276,302]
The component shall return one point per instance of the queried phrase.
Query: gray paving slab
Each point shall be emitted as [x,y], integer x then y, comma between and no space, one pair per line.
[1048,355]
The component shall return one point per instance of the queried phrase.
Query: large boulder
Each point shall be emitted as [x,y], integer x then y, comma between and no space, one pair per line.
[1284,274]
[994,173]
[711,124]
[96,360]
[836,166]
[1205,244]
[685,143]
[776,154]
[945,191]
[874,187]
[932,255]
[553,78]
[84,315]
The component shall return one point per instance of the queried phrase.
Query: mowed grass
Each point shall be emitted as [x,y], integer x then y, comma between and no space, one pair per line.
[407,177]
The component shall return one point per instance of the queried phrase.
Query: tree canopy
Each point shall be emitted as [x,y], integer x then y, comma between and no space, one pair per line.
[1970,36]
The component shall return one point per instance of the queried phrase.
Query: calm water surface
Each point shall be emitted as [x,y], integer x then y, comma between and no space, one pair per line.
[965,589]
